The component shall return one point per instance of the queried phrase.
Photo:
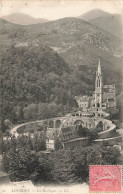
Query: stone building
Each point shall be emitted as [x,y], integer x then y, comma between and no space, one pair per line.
[83,101]
[109,95]
[68,133]
[103,96]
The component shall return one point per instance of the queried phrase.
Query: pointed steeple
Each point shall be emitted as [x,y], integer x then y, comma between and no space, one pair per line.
[99,67]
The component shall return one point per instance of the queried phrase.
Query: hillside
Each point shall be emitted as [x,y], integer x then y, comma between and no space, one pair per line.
[94,13]
[23,19]
[111,23]
[35,84]
[6,28]
[78,42]
[63,34]
[64,67]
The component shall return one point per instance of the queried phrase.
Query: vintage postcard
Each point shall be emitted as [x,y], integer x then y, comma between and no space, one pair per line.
[61,96]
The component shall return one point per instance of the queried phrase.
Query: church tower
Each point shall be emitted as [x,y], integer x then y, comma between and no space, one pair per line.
[98,88]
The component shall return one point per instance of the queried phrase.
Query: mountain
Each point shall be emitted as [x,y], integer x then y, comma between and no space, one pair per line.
[77,41]
[111,23]
[94,13]
[23,19]
[64,35]
[56,57]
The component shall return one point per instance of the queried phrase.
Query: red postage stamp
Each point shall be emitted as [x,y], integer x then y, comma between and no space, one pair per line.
[106,178]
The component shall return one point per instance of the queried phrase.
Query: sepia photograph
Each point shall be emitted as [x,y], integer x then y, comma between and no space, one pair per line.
[61,96]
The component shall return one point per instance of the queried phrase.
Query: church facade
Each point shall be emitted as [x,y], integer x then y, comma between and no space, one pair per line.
[103,96]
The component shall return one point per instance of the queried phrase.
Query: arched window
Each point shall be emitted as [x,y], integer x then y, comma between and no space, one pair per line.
[98,104]
[99,82]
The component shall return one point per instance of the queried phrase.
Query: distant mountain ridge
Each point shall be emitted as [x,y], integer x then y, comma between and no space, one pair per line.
[94,13]
[23,19]
[73,38]
[111,23]
[77,41]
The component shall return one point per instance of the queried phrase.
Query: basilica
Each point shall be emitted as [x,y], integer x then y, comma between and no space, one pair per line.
[103,97]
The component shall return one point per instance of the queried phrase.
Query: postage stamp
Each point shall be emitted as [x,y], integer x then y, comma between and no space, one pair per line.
[106,178]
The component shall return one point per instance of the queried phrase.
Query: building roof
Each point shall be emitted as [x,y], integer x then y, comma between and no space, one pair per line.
[66,129]
[109,86]
[83,98]
[109,90]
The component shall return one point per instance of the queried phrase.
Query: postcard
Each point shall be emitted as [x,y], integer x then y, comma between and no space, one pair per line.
[61,96]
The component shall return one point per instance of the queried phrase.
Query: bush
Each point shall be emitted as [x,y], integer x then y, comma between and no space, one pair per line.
[21,130]
[62,166]
[82,131]
[99,127]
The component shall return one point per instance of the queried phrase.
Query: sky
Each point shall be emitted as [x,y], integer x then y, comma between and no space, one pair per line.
[57,9]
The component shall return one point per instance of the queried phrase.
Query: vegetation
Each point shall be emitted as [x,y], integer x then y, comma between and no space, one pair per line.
[82,131]
[34,84]
[99,127]
[92,134]
[58,144]
[23,161]
[31,128]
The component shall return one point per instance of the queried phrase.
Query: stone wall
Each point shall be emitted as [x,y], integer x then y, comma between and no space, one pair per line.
[109,132]
[78,142]
[109,141]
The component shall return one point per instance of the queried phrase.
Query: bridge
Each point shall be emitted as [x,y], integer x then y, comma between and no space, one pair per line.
[87,119]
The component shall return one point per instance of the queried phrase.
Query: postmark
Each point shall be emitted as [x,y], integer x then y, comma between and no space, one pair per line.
[105,178]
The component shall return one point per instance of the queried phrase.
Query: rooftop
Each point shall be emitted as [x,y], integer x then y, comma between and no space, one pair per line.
[109,86]
[66,129]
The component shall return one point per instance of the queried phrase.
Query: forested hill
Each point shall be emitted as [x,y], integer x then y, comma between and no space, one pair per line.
[36,83]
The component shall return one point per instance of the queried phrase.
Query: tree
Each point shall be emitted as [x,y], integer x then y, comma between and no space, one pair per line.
[92,135]
[39,142]
[80,165]
[111,155]
[43,172]
[8,123]
[22,162]
[58,144]
[82,131]
[99,126]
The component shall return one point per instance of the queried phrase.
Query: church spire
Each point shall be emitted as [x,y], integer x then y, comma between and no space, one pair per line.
[99,67]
